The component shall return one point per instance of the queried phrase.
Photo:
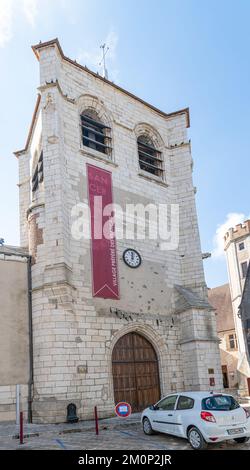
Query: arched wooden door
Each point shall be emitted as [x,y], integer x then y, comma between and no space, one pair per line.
[135,372]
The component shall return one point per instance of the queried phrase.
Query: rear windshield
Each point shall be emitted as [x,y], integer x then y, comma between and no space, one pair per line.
[219,403]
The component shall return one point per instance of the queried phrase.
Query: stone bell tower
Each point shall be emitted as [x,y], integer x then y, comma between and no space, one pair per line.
[120,320]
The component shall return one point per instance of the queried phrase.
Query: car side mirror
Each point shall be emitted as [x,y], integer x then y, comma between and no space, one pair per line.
[153,407]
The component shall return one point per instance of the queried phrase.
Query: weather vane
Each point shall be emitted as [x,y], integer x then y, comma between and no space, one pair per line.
[103,61]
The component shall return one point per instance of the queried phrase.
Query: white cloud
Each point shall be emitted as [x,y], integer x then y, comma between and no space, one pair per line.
[6,13]
[9,8]
[232,219]
[93,58]
[30,10]
[89,58]
[111,41]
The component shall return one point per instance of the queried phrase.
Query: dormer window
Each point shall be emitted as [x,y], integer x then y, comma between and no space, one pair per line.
[95,134]
[150,159]
[37,177]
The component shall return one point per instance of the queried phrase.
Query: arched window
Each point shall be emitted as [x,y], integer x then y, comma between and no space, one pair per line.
[150,159]
[37,175]
[95,134]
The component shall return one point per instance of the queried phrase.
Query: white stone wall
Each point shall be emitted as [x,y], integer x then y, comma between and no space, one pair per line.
[8,402]
[74,334]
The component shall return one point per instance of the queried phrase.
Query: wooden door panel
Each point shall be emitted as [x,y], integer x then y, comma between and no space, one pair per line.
[135,372]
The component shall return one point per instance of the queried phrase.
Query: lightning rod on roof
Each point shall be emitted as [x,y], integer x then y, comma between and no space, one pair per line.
[103,61]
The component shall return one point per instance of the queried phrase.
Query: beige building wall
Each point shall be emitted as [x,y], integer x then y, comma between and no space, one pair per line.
[220,299]
[14,334]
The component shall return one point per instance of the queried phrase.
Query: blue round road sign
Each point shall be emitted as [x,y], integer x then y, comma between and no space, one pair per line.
[123,409]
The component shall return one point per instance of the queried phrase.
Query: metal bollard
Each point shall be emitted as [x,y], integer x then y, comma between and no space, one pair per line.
[21,427]
[96,422]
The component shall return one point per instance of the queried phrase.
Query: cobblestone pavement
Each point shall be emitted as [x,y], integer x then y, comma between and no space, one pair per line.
[114,434]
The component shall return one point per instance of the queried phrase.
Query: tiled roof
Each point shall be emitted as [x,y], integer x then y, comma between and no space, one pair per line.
[189,299]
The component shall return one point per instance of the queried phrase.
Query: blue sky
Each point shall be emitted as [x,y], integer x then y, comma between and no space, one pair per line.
[171,53]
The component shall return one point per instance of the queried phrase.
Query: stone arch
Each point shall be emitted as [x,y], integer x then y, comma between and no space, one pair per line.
[93,103]
[158,343]
[96,109]
[142,128]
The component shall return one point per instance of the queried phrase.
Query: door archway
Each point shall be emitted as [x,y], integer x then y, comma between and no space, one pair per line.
[135,372]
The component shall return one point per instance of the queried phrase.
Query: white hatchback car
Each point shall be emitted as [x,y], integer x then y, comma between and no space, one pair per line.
[200,417]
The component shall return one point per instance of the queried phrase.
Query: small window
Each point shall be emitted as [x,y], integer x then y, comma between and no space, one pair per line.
[167,403]
[232,341]
[185,403]
[219,403]
[150,159]
[95,134]
[241,246]
[37,177]
[244,269]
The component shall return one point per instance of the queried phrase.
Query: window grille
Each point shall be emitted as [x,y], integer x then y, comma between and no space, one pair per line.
[150,159]
[38,174]
[232,340]
[244,269]
[95,134]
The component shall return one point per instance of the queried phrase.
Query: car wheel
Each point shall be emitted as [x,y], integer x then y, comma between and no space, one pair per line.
[147,428]
[196,440]
[241,440]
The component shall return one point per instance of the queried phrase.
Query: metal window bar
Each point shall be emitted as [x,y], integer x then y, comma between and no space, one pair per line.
[150,164]
[35,180]
[40,176]
[149,159]
[96,142]
[142,144]
[84,117]
[141,152]
[157,168]
[40,167]
[38,173]
[35,174]
[93,135]
[95,132]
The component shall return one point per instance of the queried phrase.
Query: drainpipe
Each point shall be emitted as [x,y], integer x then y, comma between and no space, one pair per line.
[31,369]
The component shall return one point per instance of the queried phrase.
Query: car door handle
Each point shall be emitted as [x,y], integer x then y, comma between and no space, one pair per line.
[170,415]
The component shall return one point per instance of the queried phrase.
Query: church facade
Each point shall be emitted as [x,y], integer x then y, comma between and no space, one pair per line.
[124,318]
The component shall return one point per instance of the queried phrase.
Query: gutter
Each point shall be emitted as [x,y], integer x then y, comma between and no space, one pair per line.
[31,367]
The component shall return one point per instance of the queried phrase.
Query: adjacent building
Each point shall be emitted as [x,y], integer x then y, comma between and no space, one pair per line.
[220,298]
[15,367]
[237,249]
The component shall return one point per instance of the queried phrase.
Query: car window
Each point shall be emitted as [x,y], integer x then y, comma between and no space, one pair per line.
[185,403]
[219,403]
[167,403]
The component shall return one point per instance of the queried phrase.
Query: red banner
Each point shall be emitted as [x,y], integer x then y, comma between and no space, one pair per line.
[104,257]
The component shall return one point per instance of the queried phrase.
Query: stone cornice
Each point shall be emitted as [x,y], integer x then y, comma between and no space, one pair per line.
[55,42]
[56,84]
[198,339]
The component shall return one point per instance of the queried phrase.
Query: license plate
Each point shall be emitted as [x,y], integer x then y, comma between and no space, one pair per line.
[235,431]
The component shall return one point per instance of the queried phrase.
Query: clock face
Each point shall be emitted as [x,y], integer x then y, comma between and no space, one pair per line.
[132,258]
